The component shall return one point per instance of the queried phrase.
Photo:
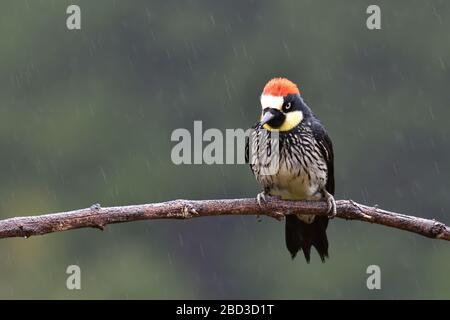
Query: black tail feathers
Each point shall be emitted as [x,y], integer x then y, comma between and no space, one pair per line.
[302,235]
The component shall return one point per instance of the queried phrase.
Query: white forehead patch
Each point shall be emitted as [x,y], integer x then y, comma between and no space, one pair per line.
[269,101]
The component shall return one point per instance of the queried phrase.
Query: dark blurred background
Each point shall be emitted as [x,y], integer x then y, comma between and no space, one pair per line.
[86,116]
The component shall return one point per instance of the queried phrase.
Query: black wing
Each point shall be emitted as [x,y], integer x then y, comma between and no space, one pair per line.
[247,149]
[247,146]
[326,149]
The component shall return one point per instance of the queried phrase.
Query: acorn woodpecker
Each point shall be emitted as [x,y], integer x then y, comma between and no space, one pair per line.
[303,164]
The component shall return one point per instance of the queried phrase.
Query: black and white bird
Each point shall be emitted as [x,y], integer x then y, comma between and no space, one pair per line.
[291,156]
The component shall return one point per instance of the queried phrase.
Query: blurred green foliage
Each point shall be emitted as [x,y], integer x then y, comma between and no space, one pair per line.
[86,117]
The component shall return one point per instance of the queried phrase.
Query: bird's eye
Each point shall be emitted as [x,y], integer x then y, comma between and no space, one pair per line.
[287,106]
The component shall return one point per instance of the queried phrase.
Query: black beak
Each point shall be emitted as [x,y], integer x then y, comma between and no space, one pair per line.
[267,117]
[273,117]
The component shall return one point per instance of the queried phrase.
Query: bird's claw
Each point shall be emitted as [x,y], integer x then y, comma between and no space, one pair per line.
[260,196]
[332,210]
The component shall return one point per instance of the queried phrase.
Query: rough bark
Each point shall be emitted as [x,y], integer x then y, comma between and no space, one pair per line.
[98,217]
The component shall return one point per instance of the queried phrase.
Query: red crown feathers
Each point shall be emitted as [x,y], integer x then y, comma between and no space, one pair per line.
[280,87]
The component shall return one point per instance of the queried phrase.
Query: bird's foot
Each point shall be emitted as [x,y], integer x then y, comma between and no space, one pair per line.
[260,197]
[332,210]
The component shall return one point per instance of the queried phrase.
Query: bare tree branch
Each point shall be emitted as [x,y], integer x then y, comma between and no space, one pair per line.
[97,217]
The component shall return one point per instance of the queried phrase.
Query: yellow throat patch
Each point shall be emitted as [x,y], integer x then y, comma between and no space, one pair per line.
[293,119]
